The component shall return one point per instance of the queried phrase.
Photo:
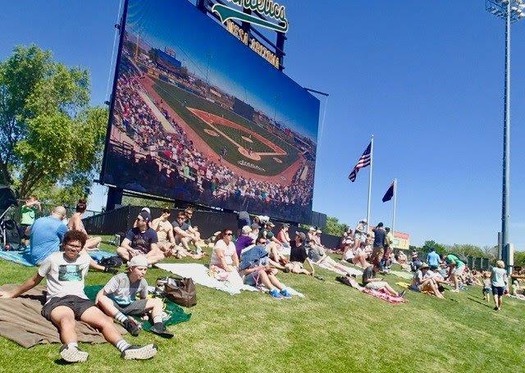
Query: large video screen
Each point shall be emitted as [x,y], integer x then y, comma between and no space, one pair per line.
[198,116]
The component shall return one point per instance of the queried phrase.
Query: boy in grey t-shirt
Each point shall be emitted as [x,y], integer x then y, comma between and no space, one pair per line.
[118,299]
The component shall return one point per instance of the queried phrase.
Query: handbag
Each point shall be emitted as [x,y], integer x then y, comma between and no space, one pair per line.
[181,290]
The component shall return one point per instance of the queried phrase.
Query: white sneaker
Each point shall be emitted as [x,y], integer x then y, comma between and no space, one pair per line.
[73,354]
[139,352]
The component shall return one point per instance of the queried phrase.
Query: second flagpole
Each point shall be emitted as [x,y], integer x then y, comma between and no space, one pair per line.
[370,183]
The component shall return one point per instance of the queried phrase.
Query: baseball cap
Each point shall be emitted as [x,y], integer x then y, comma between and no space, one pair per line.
[145,215]
[255,226]
[138,261]
[301,235]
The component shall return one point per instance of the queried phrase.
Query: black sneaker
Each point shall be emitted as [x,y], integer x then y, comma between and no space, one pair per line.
[139,352]
[402,294]
[160,329]
[131,326]
[73,354]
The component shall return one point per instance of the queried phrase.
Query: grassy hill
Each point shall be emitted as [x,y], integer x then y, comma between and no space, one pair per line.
[333,329]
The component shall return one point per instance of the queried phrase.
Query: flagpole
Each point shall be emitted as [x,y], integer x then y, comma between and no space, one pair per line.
[370,183]
[395,207]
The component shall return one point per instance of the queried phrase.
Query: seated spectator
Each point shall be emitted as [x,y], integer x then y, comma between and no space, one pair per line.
[255,231]
[416,262]
[425,281]
[46,235]
[224,255]
[66,302]
[244,240]
[256,271]
[276,257]
[360,255]
[75,223]
[193,230]
[164,229]
[118,299]
[283,237]
[183,236]
[401,258]
[371,282]
[141,240]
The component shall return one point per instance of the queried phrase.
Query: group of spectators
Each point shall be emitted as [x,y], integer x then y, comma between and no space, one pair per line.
[252,254]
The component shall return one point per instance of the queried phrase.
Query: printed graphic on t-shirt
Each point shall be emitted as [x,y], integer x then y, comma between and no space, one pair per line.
[69,272]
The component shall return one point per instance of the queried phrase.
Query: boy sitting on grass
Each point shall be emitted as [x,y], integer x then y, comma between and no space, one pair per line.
[65,272]
[118,299]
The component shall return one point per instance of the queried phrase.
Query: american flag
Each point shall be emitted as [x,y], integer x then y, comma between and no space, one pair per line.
[363,161]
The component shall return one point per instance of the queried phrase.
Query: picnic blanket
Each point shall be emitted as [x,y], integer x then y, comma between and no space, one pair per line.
[199,274]
[16,257]
[175,313]
[21,321]
[384,296]
[19,257]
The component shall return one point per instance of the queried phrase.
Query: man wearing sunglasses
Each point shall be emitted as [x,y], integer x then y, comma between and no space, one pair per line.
[141,240]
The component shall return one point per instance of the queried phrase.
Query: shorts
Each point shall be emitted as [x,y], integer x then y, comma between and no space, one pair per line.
[498,290]
[22,229]
[136,308]
[486,291]
[433,267]
[252,279]
[458,271]
[376,285]
[75,303]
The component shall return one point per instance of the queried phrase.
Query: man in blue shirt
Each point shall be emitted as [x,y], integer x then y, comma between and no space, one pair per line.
[433,259]
[46,235]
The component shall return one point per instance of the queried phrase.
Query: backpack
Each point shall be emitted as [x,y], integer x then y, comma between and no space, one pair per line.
[112,261]
[257,255]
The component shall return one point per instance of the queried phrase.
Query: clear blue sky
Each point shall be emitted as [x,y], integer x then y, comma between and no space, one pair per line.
[424,77]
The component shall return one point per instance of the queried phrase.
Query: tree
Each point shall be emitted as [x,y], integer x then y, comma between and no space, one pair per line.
[333,226]
[440,249]
[49,136]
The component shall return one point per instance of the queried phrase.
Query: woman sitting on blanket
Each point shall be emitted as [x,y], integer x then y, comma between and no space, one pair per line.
[224,259]
[318,256]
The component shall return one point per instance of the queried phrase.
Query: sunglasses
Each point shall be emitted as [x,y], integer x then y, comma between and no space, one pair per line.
[262,242]
[228,234]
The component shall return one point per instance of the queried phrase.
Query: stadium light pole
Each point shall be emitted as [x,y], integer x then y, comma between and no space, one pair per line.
[511,11]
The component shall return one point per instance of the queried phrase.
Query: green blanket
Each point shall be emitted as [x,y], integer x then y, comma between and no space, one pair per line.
[175,312]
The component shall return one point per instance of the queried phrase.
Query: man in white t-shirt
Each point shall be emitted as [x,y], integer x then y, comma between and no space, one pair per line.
[66,302]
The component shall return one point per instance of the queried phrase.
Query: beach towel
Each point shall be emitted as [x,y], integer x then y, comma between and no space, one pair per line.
[384,296]
[15,257]
[199,274]
[404,285]
[21,321]
[98,255]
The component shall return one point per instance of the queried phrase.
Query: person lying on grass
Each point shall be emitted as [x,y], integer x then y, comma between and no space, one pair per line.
[371,282]
[118,299]
[318,256]
[66,302]
[256,270]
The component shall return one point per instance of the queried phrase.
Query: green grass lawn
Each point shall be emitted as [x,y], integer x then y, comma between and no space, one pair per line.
[333,329]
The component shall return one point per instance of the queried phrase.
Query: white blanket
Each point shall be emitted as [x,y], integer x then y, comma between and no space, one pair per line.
[199,274]
[349,270]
